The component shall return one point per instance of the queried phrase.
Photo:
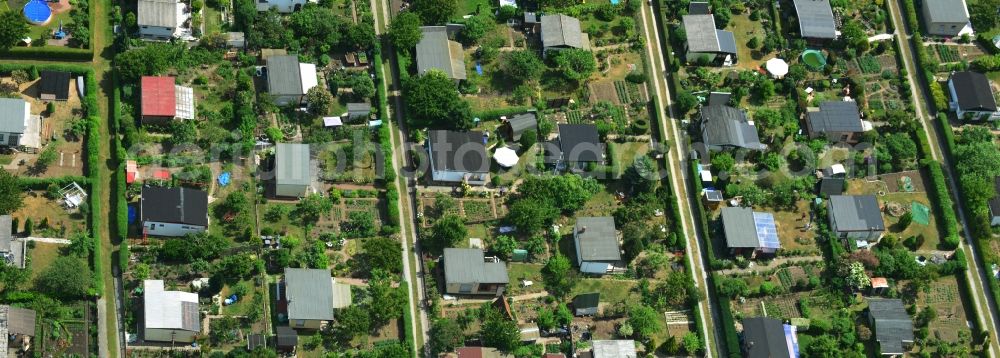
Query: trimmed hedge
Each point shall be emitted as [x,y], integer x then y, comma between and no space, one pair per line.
[702,218]
[383,98]
[729,324]
[943,204]
[408,321]
[43,183]
[500,112]
[49,53]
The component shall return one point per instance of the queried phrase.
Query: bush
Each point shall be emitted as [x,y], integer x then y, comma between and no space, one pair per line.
[48,53]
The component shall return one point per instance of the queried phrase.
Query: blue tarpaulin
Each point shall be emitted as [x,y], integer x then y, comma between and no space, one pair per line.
[131,214]
[224,179]
[479,68]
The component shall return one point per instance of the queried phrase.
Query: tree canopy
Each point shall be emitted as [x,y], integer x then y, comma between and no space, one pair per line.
[446,232]
[13,28]
[558,276]
[404,31]
[476,27]
[521,65]
[445,336]
[432,101]
[434,12]
[383,253]
[11,194]
[575,64]
[68,277]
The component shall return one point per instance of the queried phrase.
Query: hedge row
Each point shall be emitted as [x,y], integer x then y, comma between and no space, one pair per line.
[729,324]
[43,183]
[500,112]
[48,53]
[383,98]
[702,218]
[408,322]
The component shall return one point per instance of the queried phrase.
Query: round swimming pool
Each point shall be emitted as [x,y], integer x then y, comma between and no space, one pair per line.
[37,12]
[814,59]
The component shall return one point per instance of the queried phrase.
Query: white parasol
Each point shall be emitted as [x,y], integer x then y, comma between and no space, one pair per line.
[506,157]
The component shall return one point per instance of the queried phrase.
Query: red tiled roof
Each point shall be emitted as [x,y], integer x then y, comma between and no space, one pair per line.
[158,96]
[162,174]
[470,352]
[130,177]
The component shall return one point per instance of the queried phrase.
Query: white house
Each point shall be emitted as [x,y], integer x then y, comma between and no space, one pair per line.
[173,211]
[458,156]
[972,96]
[946,18]
[598,250]
[163,20]
[18,128]
[169,316]
[283,6]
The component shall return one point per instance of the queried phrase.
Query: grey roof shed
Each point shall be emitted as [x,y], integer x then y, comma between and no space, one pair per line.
[764,338]
[309,293]
[701,33]
[470,266]
[892,325]
[856,212]
[816,19]
[836,116]
[947,11]
[726,126]
[522,122]
[358,109]
[160,13]
[12,115]
[563,31]
[291,164]
[973,91]
[597,239]
[580,143]
[458,151]
[436,51]
[739,227]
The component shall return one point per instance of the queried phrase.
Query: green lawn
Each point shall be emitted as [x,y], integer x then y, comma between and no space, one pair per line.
[612,291]
[213,20]
[523,271]
[466,7]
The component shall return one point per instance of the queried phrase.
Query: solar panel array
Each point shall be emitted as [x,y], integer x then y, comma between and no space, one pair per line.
[767,232]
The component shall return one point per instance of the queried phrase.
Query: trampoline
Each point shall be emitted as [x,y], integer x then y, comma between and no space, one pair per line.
[37,12]
[814,59]
[921,213]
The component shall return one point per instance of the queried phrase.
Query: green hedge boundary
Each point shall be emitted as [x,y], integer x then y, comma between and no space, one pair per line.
[408,322]
[48,53]
[43,183]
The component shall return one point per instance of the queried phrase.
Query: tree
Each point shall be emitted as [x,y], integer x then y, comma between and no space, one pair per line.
[905,220]
[764,90]
[476,27]
[531,215]
[499,332]
[68,278]
[387,302]
[642,175]
[503,246]
[446,335]
[404,31]
[722,162]
[434,12]
[753,43]
[383,253]
[558,277]
[575,64]
[309,208]
[686,101]
[692,343]
[983,14]
[563,315]
[521,65]
[359,224]
[11,193]
[899,149]
[645,321]
[857,277]
[13,28]
[732,287]
[319,100]
[546,318]
[360,36]
[353,321]
[853,34]
[446,232]
[432,101]
[528,138]
[362,86]
[315,26]
[152,59]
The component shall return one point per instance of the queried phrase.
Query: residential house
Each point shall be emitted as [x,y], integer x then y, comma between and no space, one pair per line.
[11,251]
[750,231]
[163,101]
[173,211]
[470,272]
[457,157]
[972,96]
[519,123]
[54,85]
[163,20]
[18,128]
[725,127]
[838,121]
[169,316]
[892,326]
[598,250]
[816,19]
[292,170]
[283,6]
[768,338]
[17,326]
[586,304]
[311,296]
[580,146]
[706,43]
[948,18]
[994,203]
[562,32]
[436,51]
[359,110]
[288,80]
[856,217]
[618,348]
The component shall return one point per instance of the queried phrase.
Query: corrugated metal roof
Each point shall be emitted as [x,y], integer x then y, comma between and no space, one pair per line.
[856,212]
[836,116]
[436,51]
[522,122]
[893,325]
[728,126]
[284,75]
[470,266]
[14,113]
[185,102]
[619,348]
[597,238]
[701,34]
[159,98]
[563,31]
[816,19]
[765,338]
[739,227]
[946,11]
[309,293]
[292,164]
[169,309]
[727,41]
[161,13]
